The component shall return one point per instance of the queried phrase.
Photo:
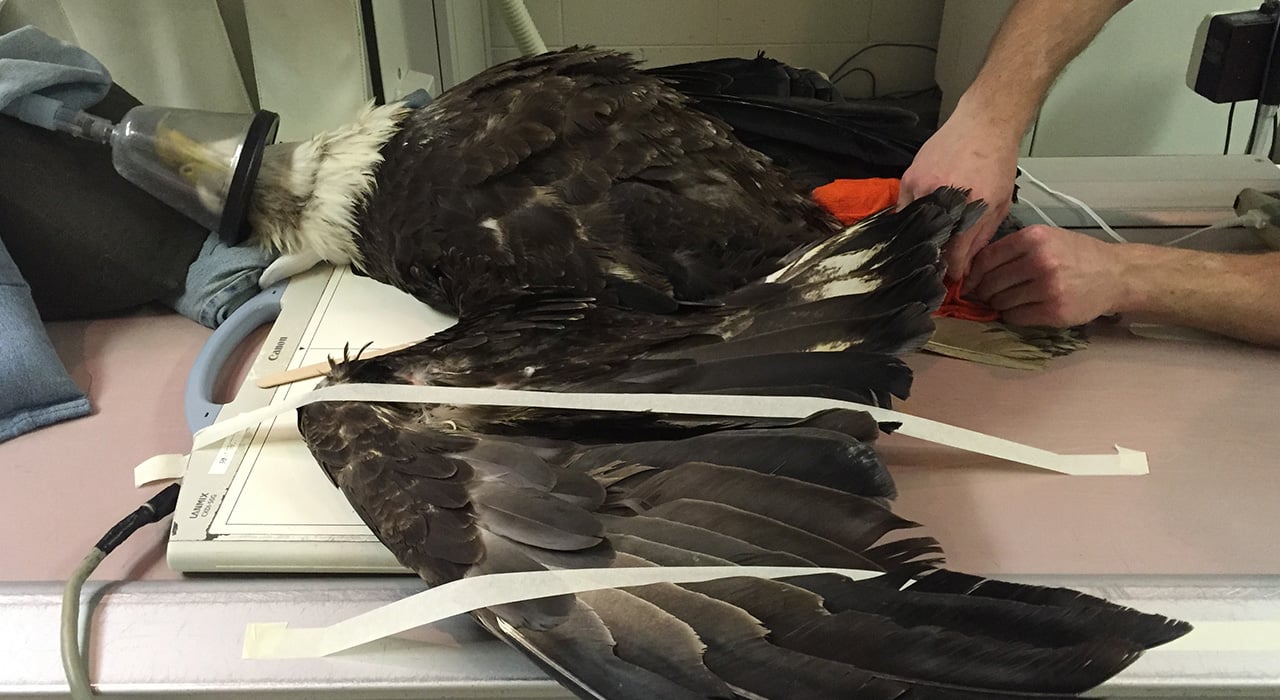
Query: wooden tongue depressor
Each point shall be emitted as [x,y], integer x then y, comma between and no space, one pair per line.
[312,371]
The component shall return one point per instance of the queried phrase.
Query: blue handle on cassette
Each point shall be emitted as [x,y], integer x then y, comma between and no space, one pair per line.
[198,397]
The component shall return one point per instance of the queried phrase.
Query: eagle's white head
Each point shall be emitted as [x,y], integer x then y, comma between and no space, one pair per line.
[306,196]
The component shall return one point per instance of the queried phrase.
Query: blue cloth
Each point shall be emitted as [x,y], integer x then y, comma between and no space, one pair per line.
[221,279]
[39,73]
[35,389]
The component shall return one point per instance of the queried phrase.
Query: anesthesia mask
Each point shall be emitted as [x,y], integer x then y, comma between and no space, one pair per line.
[203,164]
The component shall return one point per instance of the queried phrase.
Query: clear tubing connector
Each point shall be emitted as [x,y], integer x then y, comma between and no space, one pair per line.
[83,125]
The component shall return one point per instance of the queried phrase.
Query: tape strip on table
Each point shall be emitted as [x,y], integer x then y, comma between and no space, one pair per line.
[1124,462]
[276,640]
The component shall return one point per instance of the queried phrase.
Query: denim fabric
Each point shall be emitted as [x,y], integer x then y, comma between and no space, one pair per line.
[35,389]
[221,279]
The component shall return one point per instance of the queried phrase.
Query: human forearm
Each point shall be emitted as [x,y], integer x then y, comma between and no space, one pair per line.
[1036,41]
[977,147]
[1233,294]
[1046,276]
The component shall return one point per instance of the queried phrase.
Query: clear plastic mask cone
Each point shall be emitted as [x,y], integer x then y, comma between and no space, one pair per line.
[201,163]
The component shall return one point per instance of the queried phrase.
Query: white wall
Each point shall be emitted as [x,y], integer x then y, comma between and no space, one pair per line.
[163,55]
[1126,94]
[307,56]
[816,34]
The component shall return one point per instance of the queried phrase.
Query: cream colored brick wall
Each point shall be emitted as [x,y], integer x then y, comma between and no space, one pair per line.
[815,34]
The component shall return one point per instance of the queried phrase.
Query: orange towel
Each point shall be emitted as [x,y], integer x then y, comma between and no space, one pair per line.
[851,201]
[955,306]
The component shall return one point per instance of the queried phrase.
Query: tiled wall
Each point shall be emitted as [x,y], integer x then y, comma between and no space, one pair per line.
[815,34]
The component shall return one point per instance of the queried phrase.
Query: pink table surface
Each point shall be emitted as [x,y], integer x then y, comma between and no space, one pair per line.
[1204,415]
[68,483]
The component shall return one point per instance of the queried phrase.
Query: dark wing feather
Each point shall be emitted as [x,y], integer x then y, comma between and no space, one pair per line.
[817,456]
[647,636]
[852,521]
[535,518]
[808,637]
[581,652]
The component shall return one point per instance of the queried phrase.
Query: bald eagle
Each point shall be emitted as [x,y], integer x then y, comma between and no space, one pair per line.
[595,234]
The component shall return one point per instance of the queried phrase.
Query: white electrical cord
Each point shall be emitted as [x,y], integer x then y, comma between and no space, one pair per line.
[1039,212]
[1250,219]
[1071,200]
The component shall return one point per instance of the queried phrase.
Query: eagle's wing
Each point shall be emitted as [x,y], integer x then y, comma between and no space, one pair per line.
[455,504]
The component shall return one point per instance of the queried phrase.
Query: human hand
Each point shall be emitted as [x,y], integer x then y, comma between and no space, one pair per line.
[1046,276]
[975,154]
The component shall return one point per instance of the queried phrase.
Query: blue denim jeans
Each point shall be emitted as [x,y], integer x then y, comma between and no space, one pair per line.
[221,279]
[35,389]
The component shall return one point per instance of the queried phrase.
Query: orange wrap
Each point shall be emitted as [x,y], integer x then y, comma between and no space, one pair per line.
[955,306]
[851,201]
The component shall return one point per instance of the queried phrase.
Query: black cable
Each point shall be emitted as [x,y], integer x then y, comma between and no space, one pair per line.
[908,94]
[870,75]
[877,45]
[156,507]
[1231,115]
[371,52]
[1266,73]
[73,663]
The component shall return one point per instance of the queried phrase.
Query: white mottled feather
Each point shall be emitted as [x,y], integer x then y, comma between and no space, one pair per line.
[848,263]
[307,192]
[844,287]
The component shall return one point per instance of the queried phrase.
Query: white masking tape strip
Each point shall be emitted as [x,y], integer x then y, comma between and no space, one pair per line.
[160,468]
[276,640]
[1125,461]
[1229,635]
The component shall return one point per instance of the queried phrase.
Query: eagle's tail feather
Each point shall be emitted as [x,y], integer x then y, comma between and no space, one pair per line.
[870,287]
[894,332]
[918,286]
